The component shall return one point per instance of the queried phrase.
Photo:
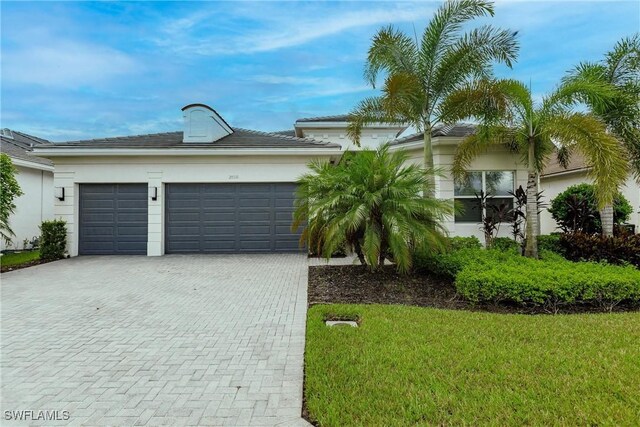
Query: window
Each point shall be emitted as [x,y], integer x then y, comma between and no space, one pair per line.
[496,184]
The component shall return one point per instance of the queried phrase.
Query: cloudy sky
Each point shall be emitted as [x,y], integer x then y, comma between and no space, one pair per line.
[73,70]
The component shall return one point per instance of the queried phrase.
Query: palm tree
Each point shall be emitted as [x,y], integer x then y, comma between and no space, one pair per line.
[370,202]
[508,115]
[621,69]
[421,74]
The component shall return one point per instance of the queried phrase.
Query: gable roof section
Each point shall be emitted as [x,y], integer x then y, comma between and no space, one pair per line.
[458,130]
[340,118]
[577,163]
[20,147]
[242,139]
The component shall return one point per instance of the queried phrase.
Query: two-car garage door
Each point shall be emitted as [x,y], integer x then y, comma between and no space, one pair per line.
[199,218]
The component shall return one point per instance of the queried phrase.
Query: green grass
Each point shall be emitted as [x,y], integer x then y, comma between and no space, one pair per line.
[18,258]
[421,366]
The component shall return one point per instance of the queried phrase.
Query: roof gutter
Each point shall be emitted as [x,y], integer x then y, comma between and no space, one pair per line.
[91,152]
[29,164]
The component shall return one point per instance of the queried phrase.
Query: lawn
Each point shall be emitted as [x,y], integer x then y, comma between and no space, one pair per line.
[16,259]
[424,366]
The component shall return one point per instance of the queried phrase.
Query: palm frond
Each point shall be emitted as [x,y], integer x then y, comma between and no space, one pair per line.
[391,51]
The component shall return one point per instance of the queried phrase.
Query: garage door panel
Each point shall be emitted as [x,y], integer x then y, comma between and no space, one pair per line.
[113,219]
[231,217]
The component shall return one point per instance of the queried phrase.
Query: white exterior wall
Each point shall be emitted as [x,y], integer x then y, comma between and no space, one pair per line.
[158,171]
[371,138]
[33,207]
[496,159]
[556,184]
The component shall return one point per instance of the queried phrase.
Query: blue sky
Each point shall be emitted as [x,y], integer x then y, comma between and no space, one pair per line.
[73,70]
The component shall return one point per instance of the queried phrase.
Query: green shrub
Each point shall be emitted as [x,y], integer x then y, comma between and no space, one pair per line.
[550,283]
[54,240]
[505,244]
[448,264]
[596,247]
[576,209]
[457,243]
[550,242]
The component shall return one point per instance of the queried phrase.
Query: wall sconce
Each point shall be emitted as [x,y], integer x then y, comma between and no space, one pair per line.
[153,193]
[59,193]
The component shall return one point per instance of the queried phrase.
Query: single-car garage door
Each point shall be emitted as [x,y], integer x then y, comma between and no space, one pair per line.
[227,218]
[113,219]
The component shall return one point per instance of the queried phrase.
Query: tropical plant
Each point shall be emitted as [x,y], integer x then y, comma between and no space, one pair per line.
[420,74]
[9,191]
[508,115]
[576,210]
[371,203]
[620,68]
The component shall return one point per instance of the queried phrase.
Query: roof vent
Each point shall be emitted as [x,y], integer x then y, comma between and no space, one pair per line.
[6,133]
[202,124]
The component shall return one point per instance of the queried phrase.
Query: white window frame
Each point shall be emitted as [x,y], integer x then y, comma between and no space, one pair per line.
[483,182]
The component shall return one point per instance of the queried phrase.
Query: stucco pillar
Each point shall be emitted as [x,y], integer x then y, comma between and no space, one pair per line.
[155,239]
[67,209]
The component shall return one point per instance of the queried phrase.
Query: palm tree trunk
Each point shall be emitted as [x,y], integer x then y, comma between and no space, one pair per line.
[606,217]
[429,189]
[531,248]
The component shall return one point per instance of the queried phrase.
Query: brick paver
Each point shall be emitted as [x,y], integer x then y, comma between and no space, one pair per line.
[173,340]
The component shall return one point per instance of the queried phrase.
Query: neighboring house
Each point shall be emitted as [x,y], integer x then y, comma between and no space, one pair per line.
[212,188]
[555,179]
[35,176]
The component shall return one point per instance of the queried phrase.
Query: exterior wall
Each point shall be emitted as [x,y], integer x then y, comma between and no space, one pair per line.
[33,207]
[497,159]
[556,184]
[158,171]
[371,138]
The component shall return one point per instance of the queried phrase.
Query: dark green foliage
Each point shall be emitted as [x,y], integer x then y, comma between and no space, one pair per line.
[9,191]
[549,283]
[550,242]
[505,244]
[456,243]
[595,247]
[576,209]
[54,240]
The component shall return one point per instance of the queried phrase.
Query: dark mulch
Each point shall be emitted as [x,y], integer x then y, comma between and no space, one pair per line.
[355,284]
[4,269]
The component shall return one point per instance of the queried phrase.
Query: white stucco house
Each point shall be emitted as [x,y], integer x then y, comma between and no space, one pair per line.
[555,179]
[214,188]
[35,177]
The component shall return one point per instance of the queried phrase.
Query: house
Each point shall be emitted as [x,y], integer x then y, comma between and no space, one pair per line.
[214,188]
[210,188]
[555,179]
[35,177]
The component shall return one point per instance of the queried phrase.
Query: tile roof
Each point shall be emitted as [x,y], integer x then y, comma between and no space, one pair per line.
[21,145]
[239,139]
[576,162]
[456,130]
[337,118]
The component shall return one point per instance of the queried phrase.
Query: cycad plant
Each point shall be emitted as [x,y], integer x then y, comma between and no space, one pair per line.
[420,74]
[371,203]
[508,115]
[620,68]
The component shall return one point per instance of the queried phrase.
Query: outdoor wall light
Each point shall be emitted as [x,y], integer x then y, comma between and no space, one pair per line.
[153,193]
[60,193]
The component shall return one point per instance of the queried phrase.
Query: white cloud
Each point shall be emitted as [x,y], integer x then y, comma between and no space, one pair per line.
[64,63]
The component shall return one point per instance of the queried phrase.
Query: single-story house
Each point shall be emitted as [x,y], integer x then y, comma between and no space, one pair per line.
[555,179]
[35,177]
[213,188]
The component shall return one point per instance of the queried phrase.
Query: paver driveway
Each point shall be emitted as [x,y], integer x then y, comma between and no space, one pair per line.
[174,340]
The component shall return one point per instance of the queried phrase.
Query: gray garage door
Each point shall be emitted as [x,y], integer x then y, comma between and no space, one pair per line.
[226,218]
[113,219]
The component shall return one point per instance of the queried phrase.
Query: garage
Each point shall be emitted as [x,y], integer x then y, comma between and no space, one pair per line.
[113,219]
[230,218]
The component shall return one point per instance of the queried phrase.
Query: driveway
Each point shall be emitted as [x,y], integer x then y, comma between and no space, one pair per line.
[173,340]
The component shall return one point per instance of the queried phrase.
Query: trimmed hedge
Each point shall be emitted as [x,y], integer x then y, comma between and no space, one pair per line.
[595,247]
[505,244]
[550,242]
[54,240]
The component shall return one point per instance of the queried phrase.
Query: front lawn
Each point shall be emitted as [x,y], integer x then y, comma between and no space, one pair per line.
[19,259]
[424,366]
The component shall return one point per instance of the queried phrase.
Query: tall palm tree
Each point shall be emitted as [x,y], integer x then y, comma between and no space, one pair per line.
[370,202]
[508,115]
[621,69]
[420,74]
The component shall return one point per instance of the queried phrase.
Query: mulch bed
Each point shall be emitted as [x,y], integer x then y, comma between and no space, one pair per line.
[355,284]
[4,269]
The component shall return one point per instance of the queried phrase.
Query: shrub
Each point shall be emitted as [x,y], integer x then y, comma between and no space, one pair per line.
[550,242]
[549,283]
[449,264]
[576,209]
[505,244]
[456,243]
[54,240]
[595,247]
[9,191]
